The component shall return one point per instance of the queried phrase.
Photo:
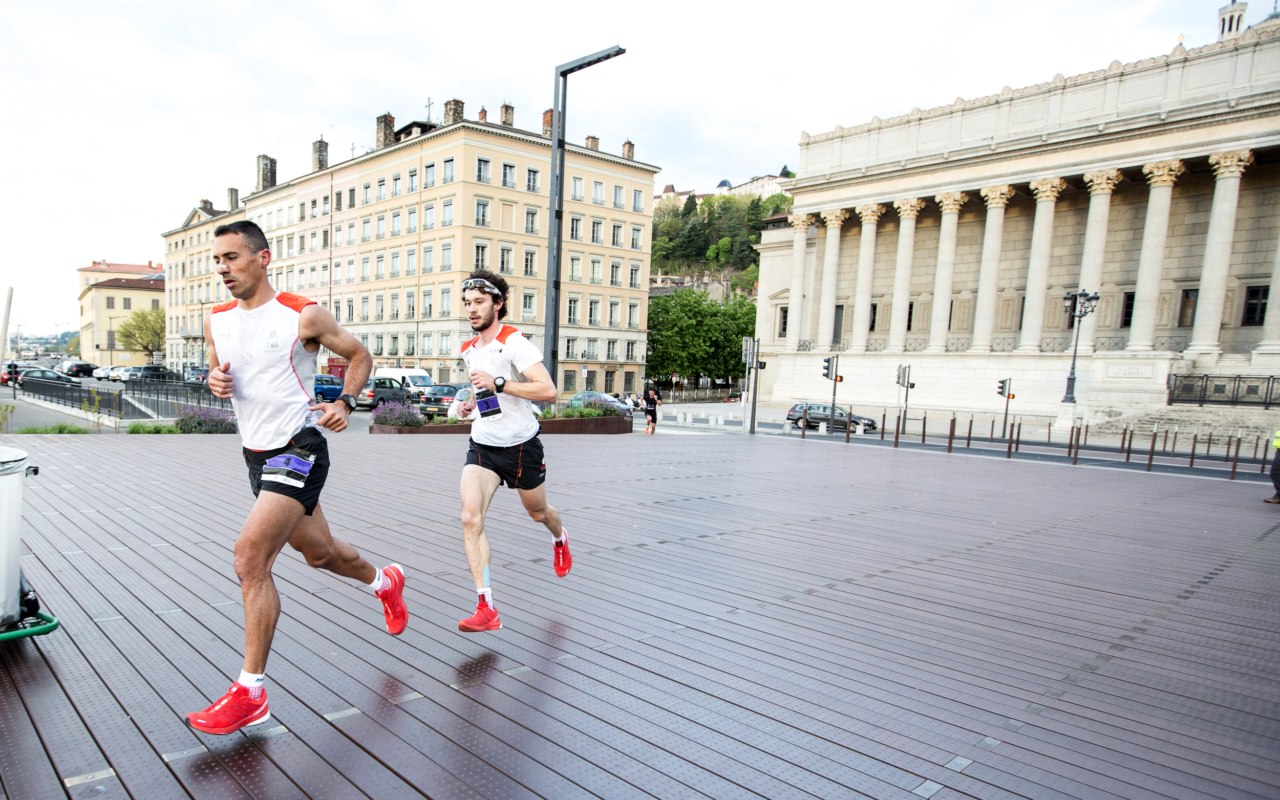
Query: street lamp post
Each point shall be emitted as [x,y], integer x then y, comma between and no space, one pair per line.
[552,328]
[1079,306]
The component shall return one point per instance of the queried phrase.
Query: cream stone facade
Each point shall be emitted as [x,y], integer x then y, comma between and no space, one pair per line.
[109,300]
[385,239]
[192,287]
[946,239]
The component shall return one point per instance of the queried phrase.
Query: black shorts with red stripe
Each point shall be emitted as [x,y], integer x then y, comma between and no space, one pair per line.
[519,466]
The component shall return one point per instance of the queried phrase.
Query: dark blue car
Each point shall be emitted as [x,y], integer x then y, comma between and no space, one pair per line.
[328,388]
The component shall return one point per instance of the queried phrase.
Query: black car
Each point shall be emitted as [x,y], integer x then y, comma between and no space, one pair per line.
[440,397]
[43,375]
[151,372]
[78,369]
[819,412]
[377,391]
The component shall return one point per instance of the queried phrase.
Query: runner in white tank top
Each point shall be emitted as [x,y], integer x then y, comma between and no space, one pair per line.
[263,358]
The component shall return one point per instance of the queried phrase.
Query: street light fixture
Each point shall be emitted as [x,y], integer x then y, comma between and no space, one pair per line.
[550,353]
[1078,305]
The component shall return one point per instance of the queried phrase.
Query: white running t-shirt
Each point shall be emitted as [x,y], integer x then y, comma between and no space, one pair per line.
[508,355]
[274,374]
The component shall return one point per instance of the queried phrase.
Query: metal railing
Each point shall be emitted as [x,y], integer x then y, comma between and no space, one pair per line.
[1173,344]
[957,344]
[1104,344]
[1056,344]
[1004,344]
[804,346]
[165,399]
[916,345]
[1225,390]
[76,395]
[876,345]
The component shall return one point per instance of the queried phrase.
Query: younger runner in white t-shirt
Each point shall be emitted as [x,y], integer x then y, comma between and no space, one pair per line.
[507,373]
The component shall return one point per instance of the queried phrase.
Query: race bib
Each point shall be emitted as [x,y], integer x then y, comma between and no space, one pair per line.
[290,468]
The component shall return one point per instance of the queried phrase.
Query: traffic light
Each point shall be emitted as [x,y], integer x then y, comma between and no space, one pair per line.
[902,375]
[827,364]
[1003,391]
[839,379]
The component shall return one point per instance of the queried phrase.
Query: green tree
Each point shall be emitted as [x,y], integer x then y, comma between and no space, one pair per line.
[754,215]
[661,249]
[724,249]
[693,242]
[143,330]
[73,346]
[671,228]
[747,278]
[690,206]
[677,334]
[786,173]
[775,204]
[726,324]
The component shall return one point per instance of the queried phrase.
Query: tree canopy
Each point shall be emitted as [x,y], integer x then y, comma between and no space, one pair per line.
[143,330]
[692,335]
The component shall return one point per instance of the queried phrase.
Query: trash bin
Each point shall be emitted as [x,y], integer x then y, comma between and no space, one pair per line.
[13,470]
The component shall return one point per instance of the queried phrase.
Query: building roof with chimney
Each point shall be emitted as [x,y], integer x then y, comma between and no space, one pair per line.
[154,284]
[106,266]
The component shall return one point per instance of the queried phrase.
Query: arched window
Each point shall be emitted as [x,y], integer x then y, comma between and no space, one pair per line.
[1224,26]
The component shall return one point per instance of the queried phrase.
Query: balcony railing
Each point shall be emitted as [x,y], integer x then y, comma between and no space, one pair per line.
[957,344]
[447,179]
[377,318]
[506,184]
[531,229]
[876,345]
[428,184]
[1004,344]
[482,222]
[599,201]
[916,345]
[576,197]
[633,326]
[364,317]
[1174,344]
[1101,344]
[395,315]
[618,205]
[483,179]
[408,314]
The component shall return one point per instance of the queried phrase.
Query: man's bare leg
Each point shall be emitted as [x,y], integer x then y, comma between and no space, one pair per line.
[271,523]
[312,538]
[535,502]
[478,488]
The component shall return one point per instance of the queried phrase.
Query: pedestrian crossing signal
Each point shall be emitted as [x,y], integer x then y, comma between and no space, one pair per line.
[1003,391]
[827,364]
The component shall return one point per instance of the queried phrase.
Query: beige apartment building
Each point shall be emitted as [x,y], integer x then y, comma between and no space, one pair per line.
[192,285]
[385,239]
[109,293]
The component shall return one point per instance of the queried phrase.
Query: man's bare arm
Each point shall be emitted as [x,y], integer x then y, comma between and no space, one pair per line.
[318,325]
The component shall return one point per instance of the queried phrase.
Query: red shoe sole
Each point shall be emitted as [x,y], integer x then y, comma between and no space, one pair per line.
[406,613]
[257,720]
[470,629]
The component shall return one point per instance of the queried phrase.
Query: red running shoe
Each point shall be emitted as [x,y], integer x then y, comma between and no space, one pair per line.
[485,619]
[392,602]
[563,559]
[233,711]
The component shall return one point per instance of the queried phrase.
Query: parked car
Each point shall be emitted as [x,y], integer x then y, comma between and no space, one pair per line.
[77,369]
[417,381]
[102,373]
[734,396]
[151,372]
[12,369]
[43,375]
[822,413]
[328,388]
[117,373]
[596,399]
[193,375]
[382,390]
[440,397]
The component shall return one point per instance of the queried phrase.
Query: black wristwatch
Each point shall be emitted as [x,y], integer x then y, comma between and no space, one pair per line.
[498,384]
[349,401]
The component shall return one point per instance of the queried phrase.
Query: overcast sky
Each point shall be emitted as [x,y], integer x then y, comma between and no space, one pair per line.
[118,117]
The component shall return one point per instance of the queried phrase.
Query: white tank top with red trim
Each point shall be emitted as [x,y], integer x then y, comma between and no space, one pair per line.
[274,374]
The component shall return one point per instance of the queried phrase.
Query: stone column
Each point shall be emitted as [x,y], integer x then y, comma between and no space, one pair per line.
[1227,168]
[1142,328]
[984,310]
[830,268]
[908,210]
[942,276]
[1101,184]
[1270,344]
[795,297]
[1046,192]
[870,215]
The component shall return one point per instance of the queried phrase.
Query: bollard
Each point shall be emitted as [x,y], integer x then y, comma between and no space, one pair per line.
[804,425]
[1071,440]
[1008,448]
[1227,455]
[883,417]
[992,436]
[897,424]
[1192,463]
[848,423]
[1128,451]
[1265,445]
[1049,433]
[924,426]
[823,428]
[969,438]
[1174,451]
[1236,462]
[1164,448]
[1086,435]
[1075,456]
[1151,455]
[951,436]
[1256,441]
[1208,443]
[1017,446]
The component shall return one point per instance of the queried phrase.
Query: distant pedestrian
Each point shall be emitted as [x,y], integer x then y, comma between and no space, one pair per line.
[651,404]
[1275,468]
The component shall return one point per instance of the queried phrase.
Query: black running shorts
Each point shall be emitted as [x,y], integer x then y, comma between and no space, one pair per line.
[297,470]
[651,415]
[519,466]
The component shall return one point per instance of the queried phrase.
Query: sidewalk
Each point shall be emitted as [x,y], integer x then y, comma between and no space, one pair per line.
[29,414]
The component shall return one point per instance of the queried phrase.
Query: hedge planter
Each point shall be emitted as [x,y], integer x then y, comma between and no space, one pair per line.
[579,425]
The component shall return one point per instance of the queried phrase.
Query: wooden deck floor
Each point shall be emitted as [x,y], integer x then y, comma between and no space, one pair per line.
[745,617]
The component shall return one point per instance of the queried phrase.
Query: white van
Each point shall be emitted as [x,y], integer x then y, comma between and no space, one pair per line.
[417,381]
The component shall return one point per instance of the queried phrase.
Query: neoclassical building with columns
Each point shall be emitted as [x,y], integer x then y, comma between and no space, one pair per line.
[947,238]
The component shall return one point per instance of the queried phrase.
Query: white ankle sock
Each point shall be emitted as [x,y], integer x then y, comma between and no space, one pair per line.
[560,539]
[378,582]
[486,594]
[254,683]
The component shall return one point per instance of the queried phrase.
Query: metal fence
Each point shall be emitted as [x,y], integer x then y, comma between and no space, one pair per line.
[164,399]
[111,405]
[1225,390]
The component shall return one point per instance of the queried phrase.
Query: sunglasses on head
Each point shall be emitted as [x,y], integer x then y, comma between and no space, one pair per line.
[481,284]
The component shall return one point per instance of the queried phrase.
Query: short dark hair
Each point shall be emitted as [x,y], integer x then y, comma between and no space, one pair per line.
[254,238]
[496,280]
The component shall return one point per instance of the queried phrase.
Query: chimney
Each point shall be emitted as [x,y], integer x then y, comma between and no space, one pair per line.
[207,205]
[593,142]
[319,155]
[547,120]
[628,150]
[484,115]
[384,131]
[452,111]
[233,199]
[508,115]
[266,173]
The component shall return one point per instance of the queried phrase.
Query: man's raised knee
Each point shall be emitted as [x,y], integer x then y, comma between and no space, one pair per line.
[471,520]
[250,567]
